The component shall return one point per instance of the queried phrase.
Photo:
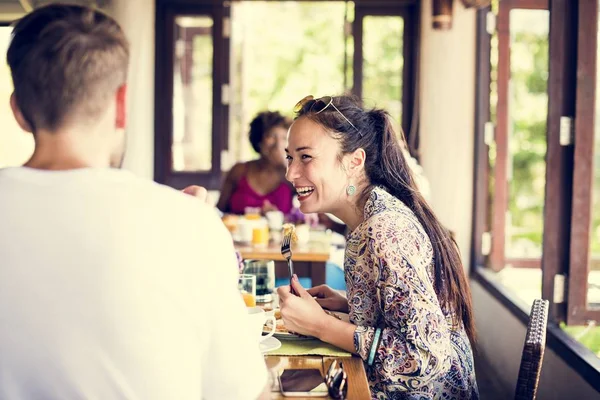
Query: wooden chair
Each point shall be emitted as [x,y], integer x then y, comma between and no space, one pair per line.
[533,351]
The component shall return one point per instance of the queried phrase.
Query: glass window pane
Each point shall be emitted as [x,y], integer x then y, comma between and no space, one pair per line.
[16,146]
[280,53]
[528,112]
[383,64]
[527,100]
[192,94]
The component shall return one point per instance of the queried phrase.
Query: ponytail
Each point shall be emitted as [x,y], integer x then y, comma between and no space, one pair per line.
[391,170]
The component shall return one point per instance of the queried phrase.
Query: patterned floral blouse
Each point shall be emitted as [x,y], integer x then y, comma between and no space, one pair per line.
[389,277]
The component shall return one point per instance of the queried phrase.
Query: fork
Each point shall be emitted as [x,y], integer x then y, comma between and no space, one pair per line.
[286,252]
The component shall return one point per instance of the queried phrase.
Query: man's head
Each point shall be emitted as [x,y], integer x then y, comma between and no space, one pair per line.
[69,68]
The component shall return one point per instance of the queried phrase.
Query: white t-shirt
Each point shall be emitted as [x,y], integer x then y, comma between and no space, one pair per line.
[114,287]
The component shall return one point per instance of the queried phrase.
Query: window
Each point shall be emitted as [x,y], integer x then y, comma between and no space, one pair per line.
[192,94]
[517,152]
[16,146]
[583,302]
[275,64]
[537,183]
[382,62]
[226,61]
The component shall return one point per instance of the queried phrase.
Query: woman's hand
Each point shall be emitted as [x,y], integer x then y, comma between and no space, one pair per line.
[197,191]
[268,206]
[329,298]
[301,313]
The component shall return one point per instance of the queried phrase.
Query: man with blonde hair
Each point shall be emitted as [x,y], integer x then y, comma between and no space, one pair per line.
[110,286]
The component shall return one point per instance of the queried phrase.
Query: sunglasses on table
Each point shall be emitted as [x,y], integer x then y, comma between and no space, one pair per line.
[336,381]
[320,105]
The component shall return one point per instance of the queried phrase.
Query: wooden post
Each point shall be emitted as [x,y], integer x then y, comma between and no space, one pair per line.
[476,3]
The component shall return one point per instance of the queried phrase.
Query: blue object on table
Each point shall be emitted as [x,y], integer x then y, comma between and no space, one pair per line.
[305,282]
[334,277]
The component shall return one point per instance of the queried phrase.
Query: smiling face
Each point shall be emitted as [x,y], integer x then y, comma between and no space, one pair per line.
[315,169]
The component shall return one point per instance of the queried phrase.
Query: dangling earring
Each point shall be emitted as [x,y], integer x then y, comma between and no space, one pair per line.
[350,190]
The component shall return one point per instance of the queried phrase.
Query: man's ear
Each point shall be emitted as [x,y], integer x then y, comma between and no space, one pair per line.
[121,114]
[355,161]
[19,115]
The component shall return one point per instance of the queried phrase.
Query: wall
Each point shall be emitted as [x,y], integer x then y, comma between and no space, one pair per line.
[447,86]
[137,19]
[501,337]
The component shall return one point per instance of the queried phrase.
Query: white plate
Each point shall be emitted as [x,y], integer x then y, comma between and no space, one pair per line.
[286,335]
[269,344]
[291,336]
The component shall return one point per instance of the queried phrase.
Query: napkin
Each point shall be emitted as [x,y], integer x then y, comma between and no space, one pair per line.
[309,347]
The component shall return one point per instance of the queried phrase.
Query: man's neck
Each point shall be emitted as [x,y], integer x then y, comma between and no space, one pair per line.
[58,164]
[64,151]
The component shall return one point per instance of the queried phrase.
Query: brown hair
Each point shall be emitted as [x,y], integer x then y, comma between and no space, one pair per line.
[263,123]
[67,62]
[385,166]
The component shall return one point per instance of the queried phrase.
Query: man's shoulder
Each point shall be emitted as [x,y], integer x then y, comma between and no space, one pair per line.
[174,200]
[173,209]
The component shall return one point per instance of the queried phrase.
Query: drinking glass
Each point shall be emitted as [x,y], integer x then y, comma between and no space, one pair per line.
[264,271]
[247,288]
[252,213]
[260,236]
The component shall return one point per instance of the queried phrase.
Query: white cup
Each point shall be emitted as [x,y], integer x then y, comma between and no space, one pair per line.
[275,219]
[256,320]
[244,230]
[303,234]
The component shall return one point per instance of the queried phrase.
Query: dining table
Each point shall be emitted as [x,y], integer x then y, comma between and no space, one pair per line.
[357,382]
[358,385]
[309,259]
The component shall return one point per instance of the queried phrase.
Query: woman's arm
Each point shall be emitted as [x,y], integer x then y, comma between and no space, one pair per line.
[339,333]
[231,181]
[302,314]
[414,344]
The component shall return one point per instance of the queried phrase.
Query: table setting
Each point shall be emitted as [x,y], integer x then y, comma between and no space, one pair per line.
[295,360]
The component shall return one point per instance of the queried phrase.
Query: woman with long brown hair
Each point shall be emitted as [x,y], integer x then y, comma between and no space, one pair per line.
[408,297]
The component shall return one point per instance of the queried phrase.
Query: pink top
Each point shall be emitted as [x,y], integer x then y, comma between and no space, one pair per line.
[244,196]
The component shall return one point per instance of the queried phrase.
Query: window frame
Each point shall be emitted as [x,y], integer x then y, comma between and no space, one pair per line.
[163,132]
[219,10]
[497,256]
[410,45]
[583,170]
[565,237]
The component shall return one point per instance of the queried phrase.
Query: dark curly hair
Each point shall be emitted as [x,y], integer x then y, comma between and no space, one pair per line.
[263,123]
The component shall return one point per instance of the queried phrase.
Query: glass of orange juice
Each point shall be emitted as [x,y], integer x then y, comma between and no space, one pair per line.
[247,287]
[260,236]
[252,213]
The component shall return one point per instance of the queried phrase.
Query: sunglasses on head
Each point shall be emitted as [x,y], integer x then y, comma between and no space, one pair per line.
[319,105]
[337,381]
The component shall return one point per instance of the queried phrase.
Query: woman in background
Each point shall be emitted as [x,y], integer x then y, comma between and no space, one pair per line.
[260,183]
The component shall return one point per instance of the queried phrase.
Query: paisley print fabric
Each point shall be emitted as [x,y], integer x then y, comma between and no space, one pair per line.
[389,278]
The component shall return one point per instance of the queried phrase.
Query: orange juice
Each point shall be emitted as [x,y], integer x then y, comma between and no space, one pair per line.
[252,217]
[260,236]
[252,213]
[249,299]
